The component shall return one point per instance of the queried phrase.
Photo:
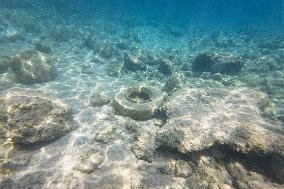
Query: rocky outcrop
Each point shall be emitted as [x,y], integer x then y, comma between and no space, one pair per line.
[32,67]
[200,118]
[217,138]
[34,119]
[217,63]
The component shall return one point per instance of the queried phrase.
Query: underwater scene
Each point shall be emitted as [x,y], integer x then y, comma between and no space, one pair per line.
[150,94]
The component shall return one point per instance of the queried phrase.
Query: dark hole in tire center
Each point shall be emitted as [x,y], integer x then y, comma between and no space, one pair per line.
[139,95]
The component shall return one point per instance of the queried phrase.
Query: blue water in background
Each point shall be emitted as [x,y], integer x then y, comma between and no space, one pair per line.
[204,13]
[211,13]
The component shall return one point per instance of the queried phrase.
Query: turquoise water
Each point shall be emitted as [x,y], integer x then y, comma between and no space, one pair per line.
[141,94]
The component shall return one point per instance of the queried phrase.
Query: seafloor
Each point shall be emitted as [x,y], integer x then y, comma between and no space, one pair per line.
[221,125]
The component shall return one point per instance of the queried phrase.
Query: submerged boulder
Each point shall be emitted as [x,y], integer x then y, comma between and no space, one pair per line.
[217,63]
[32,67]
[33,118]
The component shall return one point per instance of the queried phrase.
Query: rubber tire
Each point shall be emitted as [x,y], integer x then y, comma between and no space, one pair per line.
[138,111]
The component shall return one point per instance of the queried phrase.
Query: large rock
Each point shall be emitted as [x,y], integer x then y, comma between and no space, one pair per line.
[33,118]
[200,118]
[217,63]
[32,67]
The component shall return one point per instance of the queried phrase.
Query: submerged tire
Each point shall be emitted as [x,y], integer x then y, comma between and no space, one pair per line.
[139,102]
